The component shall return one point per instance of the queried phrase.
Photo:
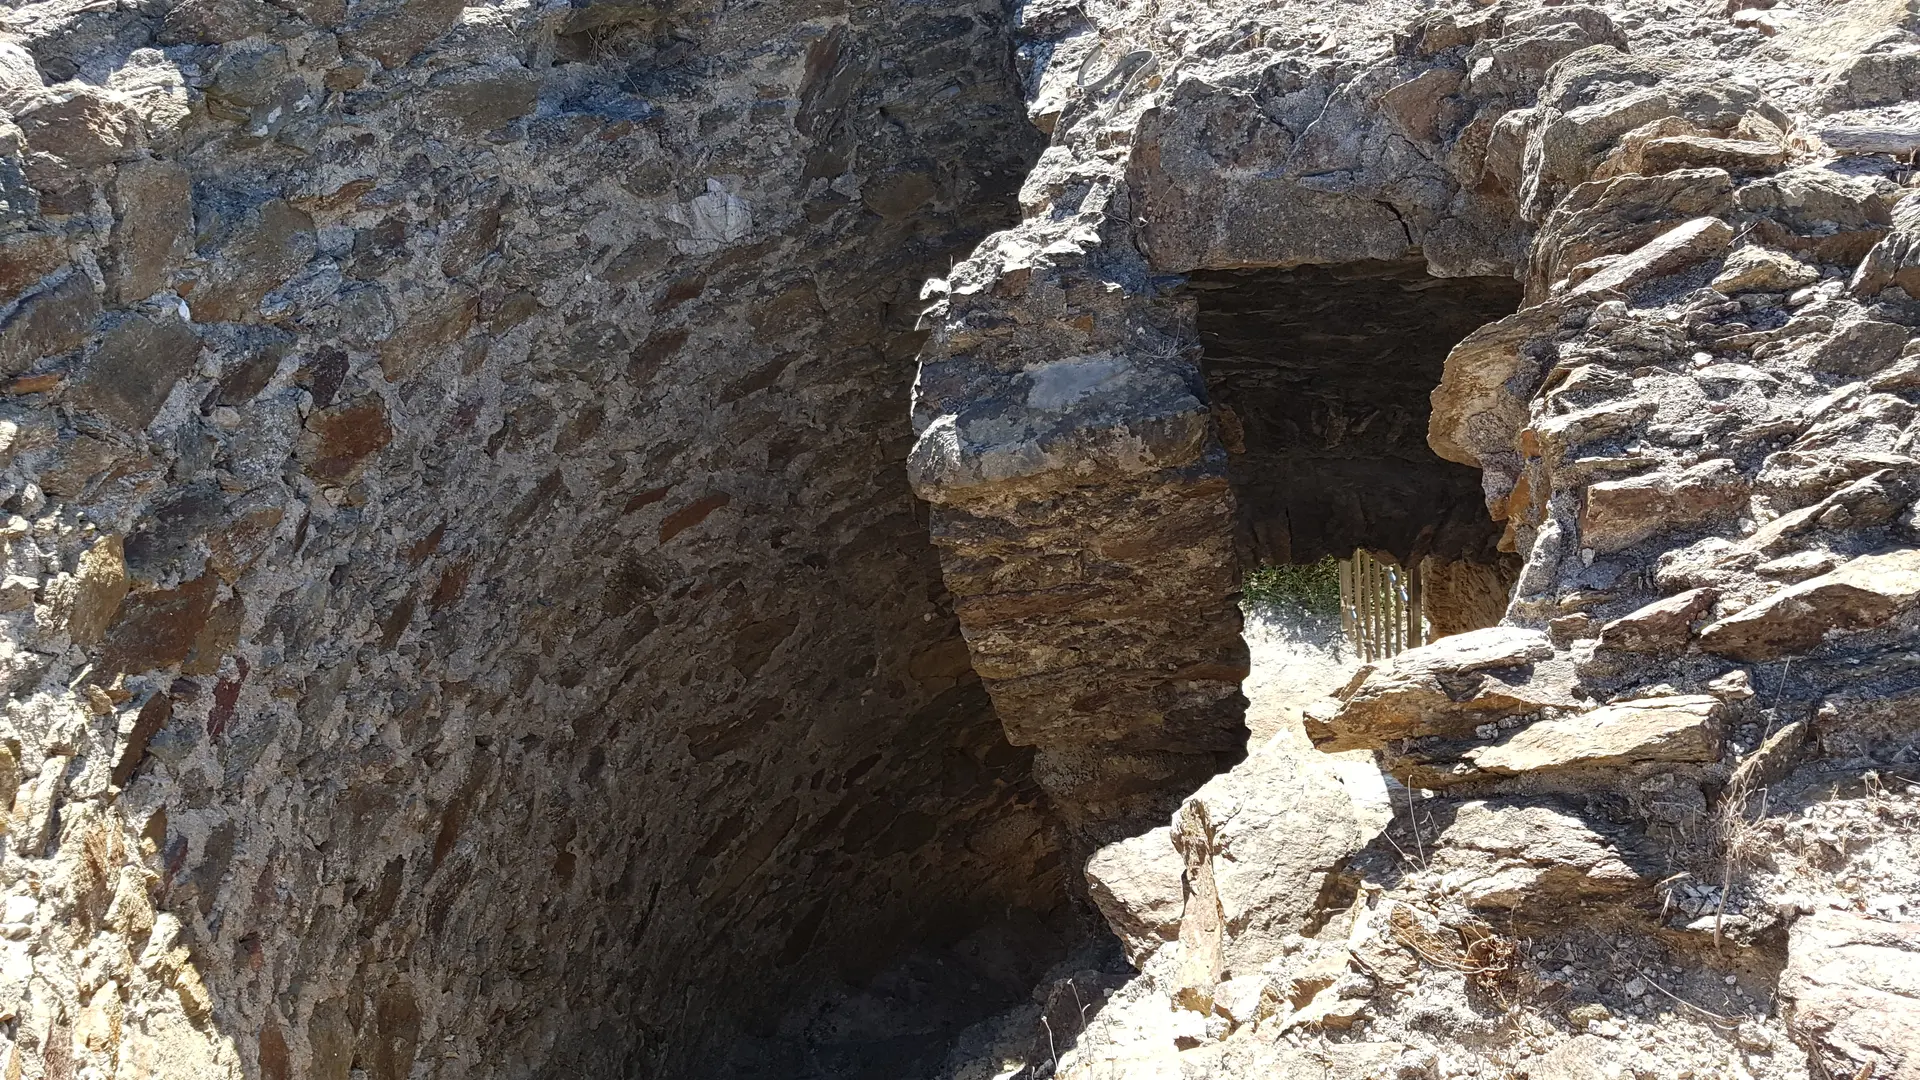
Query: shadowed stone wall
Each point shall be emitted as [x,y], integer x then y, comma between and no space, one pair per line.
[1319,379]
[464,616]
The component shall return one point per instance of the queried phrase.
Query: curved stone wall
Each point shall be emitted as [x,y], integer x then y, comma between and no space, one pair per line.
[464,614]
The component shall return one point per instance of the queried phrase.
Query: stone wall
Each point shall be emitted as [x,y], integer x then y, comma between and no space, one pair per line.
[1698,432]
[1543,145]
[464,615]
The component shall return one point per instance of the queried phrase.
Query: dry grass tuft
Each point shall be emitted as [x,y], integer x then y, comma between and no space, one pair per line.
[1491,961]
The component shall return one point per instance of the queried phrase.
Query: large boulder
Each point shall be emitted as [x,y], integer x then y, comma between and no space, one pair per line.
[1206,186]
[1852,985]
[84,126]
[1616,215]
[1258,844]
[1530,863]
[1136,885]
[20,81]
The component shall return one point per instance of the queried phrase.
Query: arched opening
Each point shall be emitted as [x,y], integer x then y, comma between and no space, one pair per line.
[1319,378]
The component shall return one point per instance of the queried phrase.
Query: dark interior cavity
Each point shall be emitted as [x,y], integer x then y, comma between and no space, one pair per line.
[1319,377]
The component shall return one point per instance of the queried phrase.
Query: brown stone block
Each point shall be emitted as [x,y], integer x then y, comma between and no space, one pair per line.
[1418,104]
[84,126]
[36,384]
[691,514]
[445,320]
[99,586]
[1669,253]
[216,639]
[1617,514]
[52,321]
[26,258]
[127,378]
[79,461]
[391,1046]
[275,1063]
[453,582]
[1660,626]
[338,441]
[244,540]
[1652,729]
[1446,688]
[158,629]
[1849,987]
[152,227]
[269,245]
[472,101]
[1694,151]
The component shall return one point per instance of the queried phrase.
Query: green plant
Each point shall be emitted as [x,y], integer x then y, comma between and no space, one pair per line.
[1310,588]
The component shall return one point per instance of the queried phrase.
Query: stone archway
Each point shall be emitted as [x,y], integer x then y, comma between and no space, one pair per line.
[1320,379]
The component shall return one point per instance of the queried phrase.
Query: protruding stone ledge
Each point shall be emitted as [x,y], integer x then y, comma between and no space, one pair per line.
[1447,688]
[1066,423]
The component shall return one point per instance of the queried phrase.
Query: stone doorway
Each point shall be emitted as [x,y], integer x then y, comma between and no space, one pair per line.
[1319,378]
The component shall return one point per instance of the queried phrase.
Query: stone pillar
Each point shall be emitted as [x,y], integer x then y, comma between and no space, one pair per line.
[1085,524]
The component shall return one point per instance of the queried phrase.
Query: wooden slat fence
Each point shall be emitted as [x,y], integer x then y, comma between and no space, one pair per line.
[1379,606]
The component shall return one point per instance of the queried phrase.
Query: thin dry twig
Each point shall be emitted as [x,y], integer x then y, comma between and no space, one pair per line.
[1413,820]
[1708,1013]
[1779,690]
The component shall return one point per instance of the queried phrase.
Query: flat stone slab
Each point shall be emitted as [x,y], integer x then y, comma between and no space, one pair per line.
[1530,861]
[1868,592]
[1444,688]
[1136,885]
[1669,253]
[1892,130]
[1686,728]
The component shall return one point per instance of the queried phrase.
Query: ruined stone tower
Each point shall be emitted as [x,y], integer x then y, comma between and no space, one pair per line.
[555,539]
